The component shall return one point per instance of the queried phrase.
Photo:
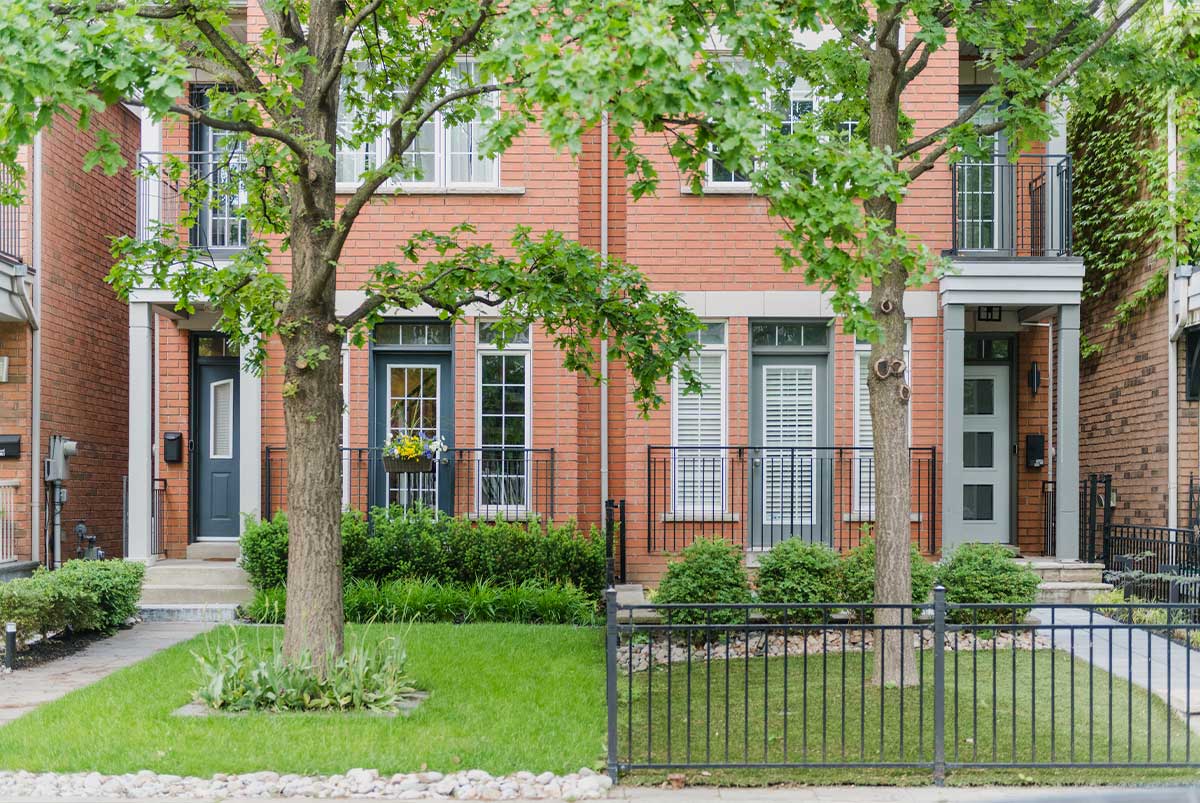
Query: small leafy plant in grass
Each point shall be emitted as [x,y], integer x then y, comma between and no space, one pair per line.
[709,571]
[366,677]
[797,571]
[987,573]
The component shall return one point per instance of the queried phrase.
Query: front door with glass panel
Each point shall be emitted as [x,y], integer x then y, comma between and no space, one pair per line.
[215,442]
[790,478]
[986,461]
[413,392]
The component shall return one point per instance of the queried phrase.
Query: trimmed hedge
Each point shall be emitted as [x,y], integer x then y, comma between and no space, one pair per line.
[422,544]
[709,570]
[857,574]
[82,595]
[987,573]
[431,601]
[797,571]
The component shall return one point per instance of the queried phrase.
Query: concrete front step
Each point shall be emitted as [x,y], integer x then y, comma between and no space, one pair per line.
[1065,571]
[214,550]
[196,573]
[195,595]
[165,612]
[1073,593]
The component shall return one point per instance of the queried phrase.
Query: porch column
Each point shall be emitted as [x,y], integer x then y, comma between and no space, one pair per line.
[141,431]
[1066,471]
[954,356]
[250,444]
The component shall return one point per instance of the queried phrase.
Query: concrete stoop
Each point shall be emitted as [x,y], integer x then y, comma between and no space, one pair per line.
[1067,581]
[194,591]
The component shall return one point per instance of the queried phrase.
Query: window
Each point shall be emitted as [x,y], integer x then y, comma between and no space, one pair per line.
[217,158]
[699,430]
[221,421]
[864,460]
[215,345]
[789,334]
[413,334]
[503,471]
[1192,371]
[441,155]
[791,108]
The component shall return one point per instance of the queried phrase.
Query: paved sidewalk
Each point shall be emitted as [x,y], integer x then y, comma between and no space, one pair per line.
[1165,668]
[25,689]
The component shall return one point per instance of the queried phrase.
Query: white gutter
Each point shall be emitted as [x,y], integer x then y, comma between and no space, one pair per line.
[1172,339]
[35,402]
[604,341]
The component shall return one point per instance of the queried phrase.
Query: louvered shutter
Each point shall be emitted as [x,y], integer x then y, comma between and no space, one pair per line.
[699,421]
[789,420]
[222,420]
[863,464]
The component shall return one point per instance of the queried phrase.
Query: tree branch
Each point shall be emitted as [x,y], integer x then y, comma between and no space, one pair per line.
[250,82]
[334,67]
[910,73]
[152,11]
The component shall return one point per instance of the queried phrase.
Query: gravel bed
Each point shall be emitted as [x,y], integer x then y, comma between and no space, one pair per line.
[832,642]
[357,783]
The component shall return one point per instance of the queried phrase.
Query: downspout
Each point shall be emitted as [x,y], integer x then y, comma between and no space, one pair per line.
[35,402]
[1172,330]
[604,341]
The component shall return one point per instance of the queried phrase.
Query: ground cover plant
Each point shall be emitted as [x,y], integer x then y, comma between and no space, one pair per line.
[502,697]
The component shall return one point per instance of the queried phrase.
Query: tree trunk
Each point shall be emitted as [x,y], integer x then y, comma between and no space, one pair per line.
[312,408]
[889,394]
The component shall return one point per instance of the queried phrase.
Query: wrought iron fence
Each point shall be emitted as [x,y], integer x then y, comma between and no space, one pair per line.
[978,686]
[10,225]
[1007,208]
[1147,561]
[487,483]
[614,541]
[758,496]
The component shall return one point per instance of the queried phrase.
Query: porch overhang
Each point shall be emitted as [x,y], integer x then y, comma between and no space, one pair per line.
[1012,281]
[16,288]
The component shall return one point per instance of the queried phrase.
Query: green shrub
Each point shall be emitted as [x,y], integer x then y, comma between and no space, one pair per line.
[264,551]
[856,575]
[421,543]
[235,678]
[116,585]
[987,573]
[529,602]
[796,571]
[81,596]
[709,571]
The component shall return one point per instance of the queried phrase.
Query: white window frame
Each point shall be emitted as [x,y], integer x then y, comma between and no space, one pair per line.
[484,348]
[213,454]
[863,511]
[800,90]
[441,178]
[722,350]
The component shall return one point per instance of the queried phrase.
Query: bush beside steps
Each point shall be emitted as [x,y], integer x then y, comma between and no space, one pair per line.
[81,596]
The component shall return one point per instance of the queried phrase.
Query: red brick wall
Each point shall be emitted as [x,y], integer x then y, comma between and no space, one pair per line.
[1031,419]
[84,326]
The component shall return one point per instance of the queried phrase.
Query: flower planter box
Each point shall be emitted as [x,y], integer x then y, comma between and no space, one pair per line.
[408,465]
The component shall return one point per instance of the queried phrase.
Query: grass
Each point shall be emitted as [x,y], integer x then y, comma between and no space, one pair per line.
[504,697]
[738,714]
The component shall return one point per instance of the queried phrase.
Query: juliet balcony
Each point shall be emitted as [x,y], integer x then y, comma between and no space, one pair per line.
[166,197]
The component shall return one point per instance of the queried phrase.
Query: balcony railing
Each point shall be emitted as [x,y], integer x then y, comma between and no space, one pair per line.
[1012,209]
[757,496]
[487,483]
[10,226]
[218,226]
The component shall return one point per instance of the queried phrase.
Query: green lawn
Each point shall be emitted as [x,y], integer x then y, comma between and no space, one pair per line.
[503,698]
[831,716]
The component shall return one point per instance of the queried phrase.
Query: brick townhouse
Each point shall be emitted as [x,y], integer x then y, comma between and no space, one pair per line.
[777,446]
[63,347]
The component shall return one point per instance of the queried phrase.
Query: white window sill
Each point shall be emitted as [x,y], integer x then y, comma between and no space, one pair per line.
[719,189]
[699,517]
[869,516]
[436,189]
[501,515]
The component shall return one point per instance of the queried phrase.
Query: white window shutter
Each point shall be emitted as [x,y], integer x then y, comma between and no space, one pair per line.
[699,421]
[789,420]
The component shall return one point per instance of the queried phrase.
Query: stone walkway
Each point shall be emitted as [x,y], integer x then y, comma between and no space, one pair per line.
[25,689]
[1165,668]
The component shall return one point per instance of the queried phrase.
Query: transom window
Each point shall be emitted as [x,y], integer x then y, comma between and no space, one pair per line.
[441,155]
[215,345]
[789,334]
[503,470]
[413,334]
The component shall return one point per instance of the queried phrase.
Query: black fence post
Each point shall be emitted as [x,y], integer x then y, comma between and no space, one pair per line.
[622,533]
[609,542]
[10,646]
[610,676]
[939,686]
[267,506]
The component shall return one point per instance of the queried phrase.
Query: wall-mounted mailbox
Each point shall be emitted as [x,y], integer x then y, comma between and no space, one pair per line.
[10,447]
[1035,451]
[173,447]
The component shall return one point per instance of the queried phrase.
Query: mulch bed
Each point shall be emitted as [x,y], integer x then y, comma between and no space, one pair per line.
[59,646]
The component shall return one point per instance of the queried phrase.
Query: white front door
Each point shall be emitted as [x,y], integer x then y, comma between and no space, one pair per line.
[985,444]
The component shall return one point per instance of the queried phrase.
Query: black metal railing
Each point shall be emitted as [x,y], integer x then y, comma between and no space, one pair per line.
[10,225]
[487,483]
[614,541]
[757,496]
[1095,514]
[978,686]
[1015,209]
[1145,561]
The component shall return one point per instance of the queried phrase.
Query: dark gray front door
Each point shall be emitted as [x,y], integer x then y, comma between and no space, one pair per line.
[413,392]
[215,489]
[790,478]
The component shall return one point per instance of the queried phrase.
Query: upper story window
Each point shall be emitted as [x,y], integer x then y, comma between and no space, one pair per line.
[791,108]
[217,158]
[441,155]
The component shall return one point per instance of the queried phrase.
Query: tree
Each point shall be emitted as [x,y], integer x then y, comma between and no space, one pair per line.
[390,67]
[706,74]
